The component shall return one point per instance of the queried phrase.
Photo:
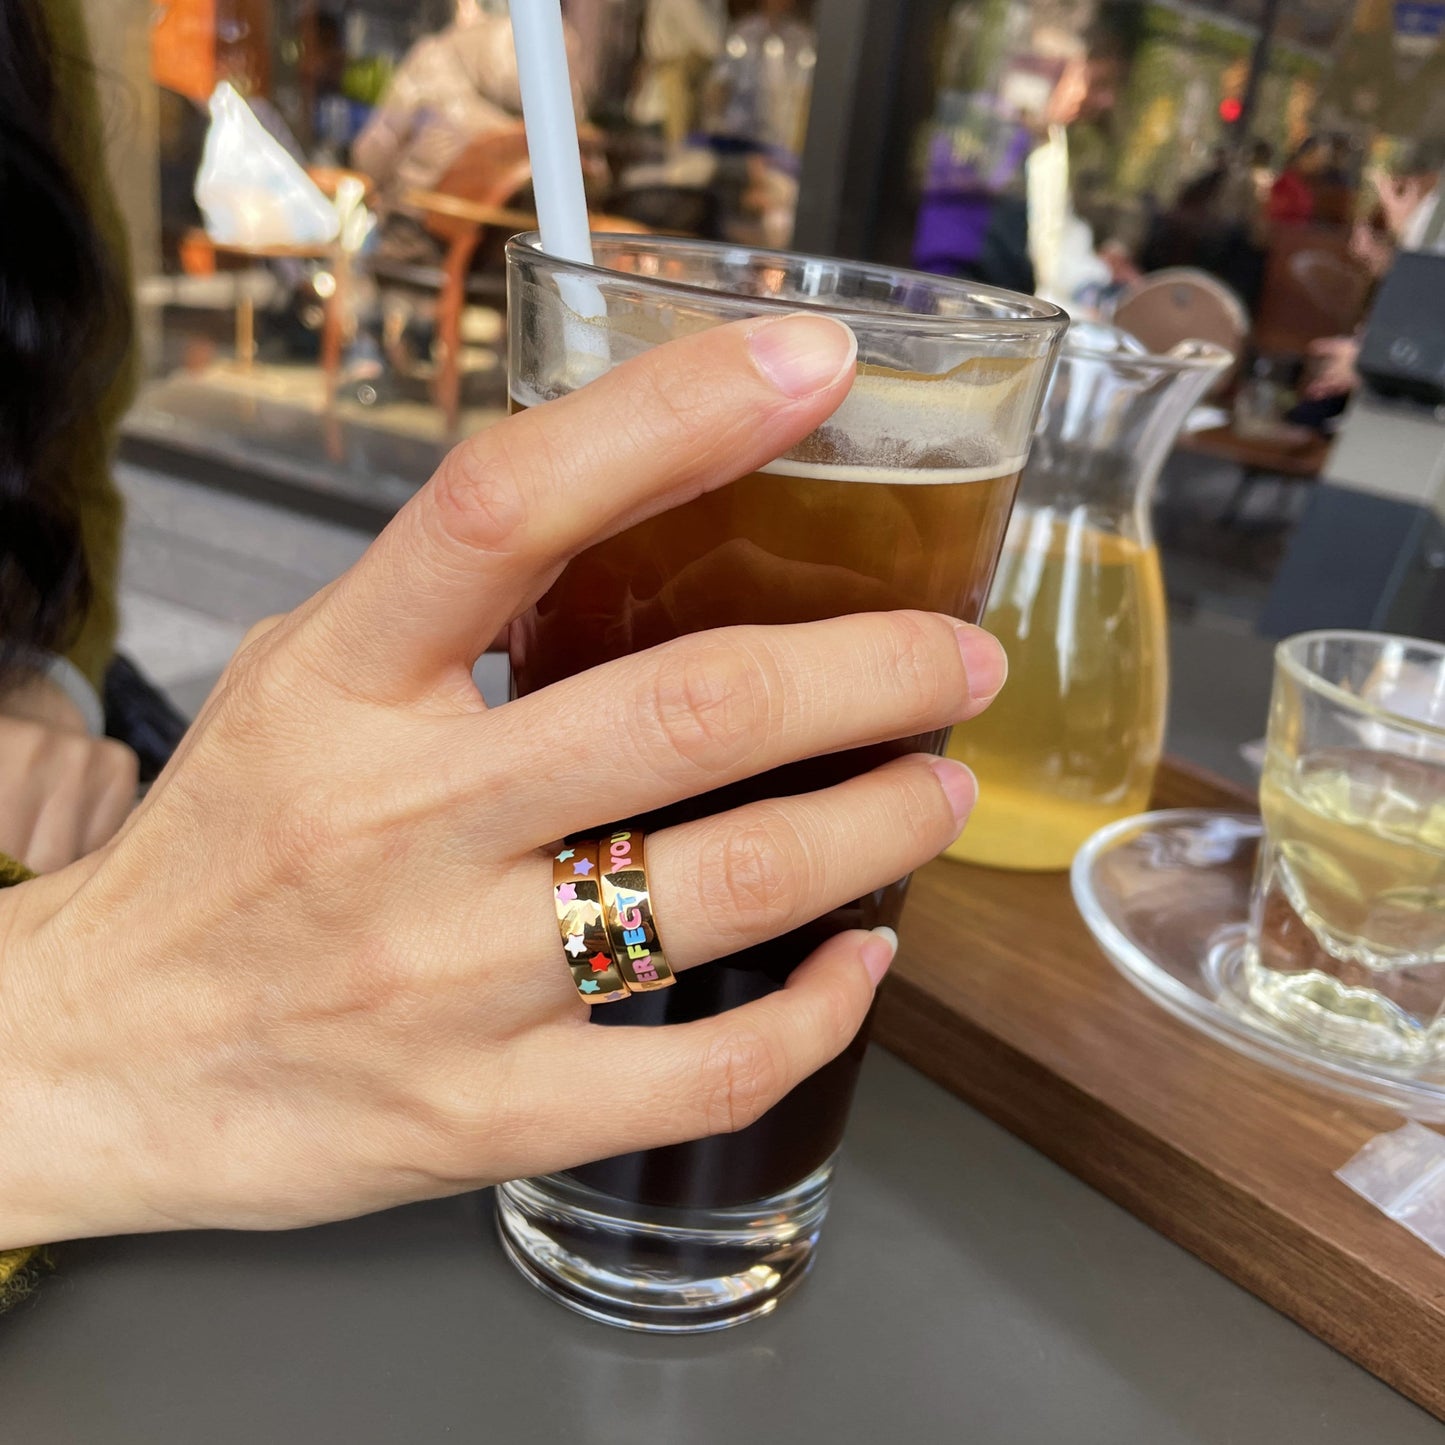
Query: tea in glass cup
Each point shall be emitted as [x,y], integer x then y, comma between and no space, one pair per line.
[1347,926]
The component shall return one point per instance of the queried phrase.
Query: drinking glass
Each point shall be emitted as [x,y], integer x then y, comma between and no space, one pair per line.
[900,500]
[1347,927]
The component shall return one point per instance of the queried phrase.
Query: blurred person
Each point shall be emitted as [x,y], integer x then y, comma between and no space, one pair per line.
[316,973]
[1217,222]
[1261,172]
[1335,185]
[1410,219]
[69,373]
[1118,271]
[681,40]
[1409,201]
[1292,196]
[449,90]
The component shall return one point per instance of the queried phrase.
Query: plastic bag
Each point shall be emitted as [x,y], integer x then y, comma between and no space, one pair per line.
[1403,1175]
[250,191]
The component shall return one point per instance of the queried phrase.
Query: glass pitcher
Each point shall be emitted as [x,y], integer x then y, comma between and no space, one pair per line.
[1078,602]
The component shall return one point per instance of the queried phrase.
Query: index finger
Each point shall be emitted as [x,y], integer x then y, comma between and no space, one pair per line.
[509,506]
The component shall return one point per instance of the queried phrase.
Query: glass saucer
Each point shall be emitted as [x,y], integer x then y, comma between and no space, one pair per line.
[1167,897]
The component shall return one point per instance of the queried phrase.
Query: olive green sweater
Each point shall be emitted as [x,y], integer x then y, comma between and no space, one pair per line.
[85,466]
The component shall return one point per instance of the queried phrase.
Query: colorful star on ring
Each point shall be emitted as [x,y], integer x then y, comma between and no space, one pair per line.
[600,962]
[566,892]
[589,985]
[565,854]
[584,867]
[575,944]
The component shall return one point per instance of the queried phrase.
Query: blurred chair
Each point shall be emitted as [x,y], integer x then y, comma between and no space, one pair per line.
[1181,303]
[1312,288]
[484,197]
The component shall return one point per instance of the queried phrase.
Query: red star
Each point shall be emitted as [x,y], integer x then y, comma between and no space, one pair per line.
[600,962]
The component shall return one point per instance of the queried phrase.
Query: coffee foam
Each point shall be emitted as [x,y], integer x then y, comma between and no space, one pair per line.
[896,428]
[973,420]
[892,476]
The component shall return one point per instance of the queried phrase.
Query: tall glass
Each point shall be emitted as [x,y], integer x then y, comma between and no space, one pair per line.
[900,500]
[1347,926]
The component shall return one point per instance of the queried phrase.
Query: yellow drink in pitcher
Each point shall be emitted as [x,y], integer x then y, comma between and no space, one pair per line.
[1073,741]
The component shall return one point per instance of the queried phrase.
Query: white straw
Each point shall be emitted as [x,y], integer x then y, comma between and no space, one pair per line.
[551,129]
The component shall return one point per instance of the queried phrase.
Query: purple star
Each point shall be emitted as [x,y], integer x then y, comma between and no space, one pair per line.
[584,867]
[566,892]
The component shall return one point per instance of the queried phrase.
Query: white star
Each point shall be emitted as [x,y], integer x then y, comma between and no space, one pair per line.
[574,944]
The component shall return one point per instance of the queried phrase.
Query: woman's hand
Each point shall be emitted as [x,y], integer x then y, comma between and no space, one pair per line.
[318,971]
[1333,361]
[62,792]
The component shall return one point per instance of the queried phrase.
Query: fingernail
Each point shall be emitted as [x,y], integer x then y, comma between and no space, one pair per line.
[959,786]
[877,952]
[984,661]
[802,353]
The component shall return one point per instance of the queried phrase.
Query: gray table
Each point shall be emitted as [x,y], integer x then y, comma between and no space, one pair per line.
[969,1293]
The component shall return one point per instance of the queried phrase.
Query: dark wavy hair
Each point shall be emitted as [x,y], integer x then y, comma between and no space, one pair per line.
[60,344]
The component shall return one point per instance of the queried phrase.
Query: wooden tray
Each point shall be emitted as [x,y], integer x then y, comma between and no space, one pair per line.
[1025,1019]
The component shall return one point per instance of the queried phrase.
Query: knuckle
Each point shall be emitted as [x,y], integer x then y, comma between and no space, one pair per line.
[476,505]
[755,877]
[923,812]
[742,1077]
[248,688]
[305,840]
[710,704]
[461,1124]
[380,979]
[921,660]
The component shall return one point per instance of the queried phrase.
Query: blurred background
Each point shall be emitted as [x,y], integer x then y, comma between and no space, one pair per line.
[1250,171]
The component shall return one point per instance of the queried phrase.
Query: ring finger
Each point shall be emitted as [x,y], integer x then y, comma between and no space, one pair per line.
[734,880]
[739,878]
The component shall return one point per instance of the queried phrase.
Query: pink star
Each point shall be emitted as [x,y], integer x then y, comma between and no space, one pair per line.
[566,892]
[584,867]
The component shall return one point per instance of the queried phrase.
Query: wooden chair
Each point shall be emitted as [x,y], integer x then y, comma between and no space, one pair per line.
[1180,303]
[492,171]
[473,208]
[1312,288]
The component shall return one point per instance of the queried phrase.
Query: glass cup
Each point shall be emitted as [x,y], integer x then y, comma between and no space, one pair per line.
[900,500]
[1347,928]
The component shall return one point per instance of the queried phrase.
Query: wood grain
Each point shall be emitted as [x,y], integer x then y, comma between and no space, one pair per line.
[1019,1013]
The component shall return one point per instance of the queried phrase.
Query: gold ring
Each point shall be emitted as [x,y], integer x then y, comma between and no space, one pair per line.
[627,911]
[576,891]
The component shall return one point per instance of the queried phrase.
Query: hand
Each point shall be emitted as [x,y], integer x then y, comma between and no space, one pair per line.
[1374,251]
[1333,370]
[62,792]
[318,972]
[1399,197]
